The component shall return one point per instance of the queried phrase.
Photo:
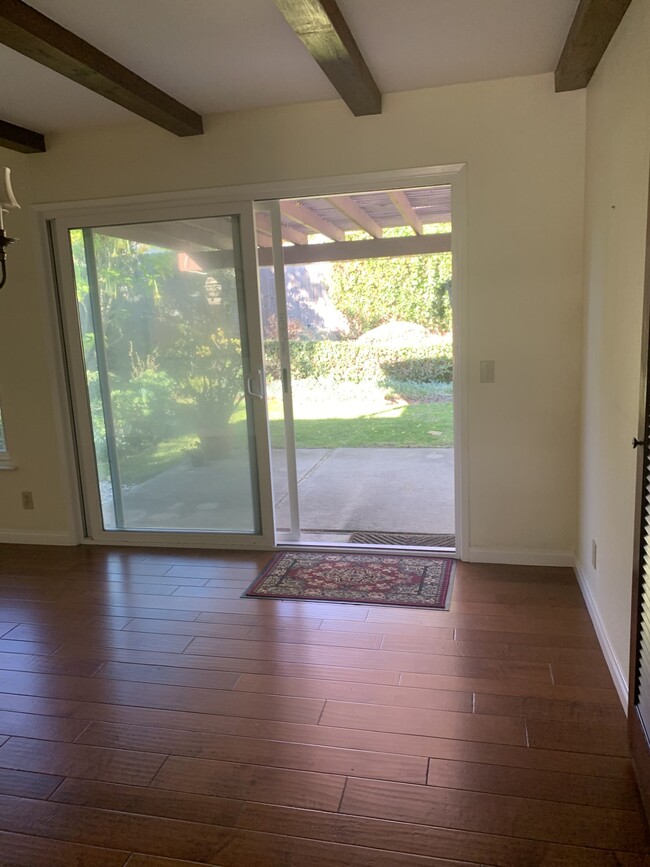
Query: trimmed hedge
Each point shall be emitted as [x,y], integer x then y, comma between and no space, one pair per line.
[348,361]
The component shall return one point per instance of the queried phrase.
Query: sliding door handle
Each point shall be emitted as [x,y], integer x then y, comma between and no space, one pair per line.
[249,384]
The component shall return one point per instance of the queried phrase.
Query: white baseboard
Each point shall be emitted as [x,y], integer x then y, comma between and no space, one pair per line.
[521,556]
[618,675]
[25,537]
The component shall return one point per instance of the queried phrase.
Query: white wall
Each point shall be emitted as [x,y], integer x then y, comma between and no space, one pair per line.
[524,147]
[618,147]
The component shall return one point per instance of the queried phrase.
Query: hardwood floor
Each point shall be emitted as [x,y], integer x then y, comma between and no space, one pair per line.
[150,717]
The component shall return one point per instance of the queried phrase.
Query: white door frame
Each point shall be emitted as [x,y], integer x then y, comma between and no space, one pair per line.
[137,206]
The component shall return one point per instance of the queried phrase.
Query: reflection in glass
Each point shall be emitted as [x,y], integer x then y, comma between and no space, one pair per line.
[160,311]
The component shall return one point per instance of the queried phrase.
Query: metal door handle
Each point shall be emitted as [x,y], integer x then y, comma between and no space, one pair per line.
[636,443]
[249,384]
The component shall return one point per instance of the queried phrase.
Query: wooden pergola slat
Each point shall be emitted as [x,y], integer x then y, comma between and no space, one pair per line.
[263,225]
[591,31]
[321,27]
[40,38]
[354,212]
[312,220]
[401,202]
[17,138]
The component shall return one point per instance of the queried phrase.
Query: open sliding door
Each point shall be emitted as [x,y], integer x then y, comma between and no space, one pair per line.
[162,327]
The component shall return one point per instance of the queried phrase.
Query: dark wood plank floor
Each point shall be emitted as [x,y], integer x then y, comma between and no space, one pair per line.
[150,717]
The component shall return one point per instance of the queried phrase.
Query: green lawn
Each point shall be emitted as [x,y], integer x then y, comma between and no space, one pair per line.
[416,425]
[330,416]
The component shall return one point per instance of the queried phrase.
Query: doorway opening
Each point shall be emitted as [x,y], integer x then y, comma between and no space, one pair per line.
[356,296]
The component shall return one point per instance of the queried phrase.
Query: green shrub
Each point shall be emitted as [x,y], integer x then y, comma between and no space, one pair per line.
[349,361]
[144,411]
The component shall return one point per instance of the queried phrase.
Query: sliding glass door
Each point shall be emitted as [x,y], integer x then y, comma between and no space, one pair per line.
[163,333]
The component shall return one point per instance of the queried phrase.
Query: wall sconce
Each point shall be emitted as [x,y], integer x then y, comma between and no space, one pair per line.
[7,201]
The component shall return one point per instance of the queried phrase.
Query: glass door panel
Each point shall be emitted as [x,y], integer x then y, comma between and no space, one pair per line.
[161,310]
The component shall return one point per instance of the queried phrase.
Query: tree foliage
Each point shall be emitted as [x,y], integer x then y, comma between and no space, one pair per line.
[171,341]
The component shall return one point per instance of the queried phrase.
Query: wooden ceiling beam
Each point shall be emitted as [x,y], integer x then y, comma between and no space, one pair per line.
[354,212]
[40,38]
[401,202]
[592,28]
[17,138]
[301,214]
[321,27]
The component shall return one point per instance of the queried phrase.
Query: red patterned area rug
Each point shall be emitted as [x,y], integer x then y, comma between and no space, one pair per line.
[371,579]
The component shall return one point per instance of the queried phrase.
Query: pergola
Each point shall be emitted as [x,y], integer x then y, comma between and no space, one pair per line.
[314,229]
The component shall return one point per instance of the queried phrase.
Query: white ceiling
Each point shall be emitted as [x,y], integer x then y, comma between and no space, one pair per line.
[224,55]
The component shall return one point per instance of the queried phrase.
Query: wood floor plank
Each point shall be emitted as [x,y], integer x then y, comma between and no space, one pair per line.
[258,751]
[604,695]
[24,850]
[269,607]
[575,674]
[297,635]
[148,801]
[439,723]
[164,697]
[131,640]
[275,618]
[48,728]
[607,740]
[398,696]
[395,661]
[502,815]
[168,674]
[79,760]
[212,592]
[433,632]
[569,615]
[36,648]
[532,638]
[262,850]
[552,709]
[27,784]
[619,794]
[55,664]
[254,666]
[399,837]
[315,791]
[192,628]
[504,623]
[492,650]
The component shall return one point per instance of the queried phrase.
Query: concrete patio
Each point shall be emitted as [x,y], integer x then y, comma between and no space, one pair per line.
[340,490]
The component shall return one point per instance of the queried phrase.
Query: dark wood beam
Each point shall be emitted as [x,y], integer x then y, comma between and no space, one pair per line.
[593,26]
[17,138]
[38,37]
[321,27]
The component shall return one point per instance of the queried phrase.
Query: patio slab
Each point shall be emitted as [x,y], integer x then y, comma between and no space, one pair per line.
[381,489]
[340,491]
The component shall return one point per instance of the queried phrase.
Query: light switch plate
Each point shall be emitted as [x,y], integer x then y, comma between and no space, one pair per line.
[487,371]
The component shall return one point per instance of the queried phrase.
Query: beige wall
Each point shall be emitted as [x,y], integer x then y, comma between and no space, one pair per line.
[618,140]
[524,148]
